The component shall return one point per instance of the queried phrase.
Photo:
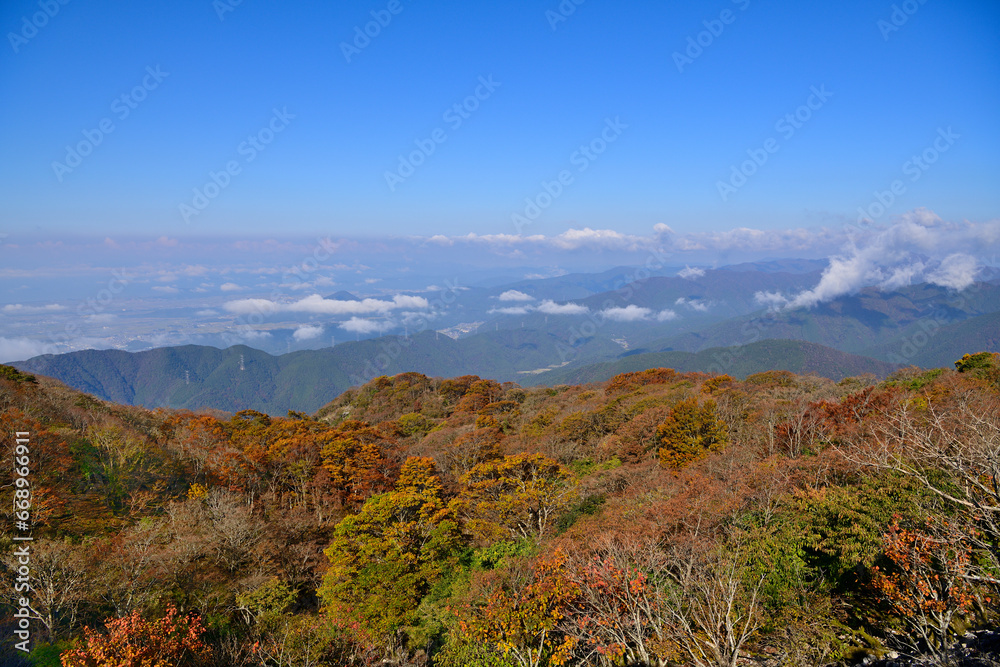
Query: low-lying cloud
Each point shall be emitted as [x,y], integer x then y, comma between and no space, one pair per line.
[360,325]
[630,313]
[307,332]
[514,295]
[918,247]
[19,349]
[550,307]
[317,305]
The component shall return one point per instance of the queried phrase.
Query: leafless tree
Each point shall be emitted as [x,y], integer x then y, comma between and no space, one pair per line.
[236,530]
[60,581]
[952,449]
[713,602]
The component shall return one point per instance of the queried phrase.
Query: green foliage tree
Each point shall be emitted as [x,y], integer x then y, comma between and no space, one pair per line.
[384,559]
[689,433]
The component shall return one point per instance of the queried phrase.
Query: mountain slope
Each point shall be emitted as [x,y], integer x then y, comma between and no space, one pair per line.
[797,356]
[934,345]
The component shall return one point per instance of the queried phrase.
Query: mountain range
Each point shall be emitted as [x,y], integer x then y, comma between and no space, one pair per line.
[573,329]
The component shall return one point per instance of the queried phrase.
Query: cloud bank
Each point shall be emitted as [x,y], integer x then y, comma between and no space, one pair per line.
[317,305]
[918,247]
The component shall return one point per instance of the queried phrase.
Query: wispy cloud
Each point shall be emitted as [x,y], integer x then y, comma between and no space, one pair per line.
[21,309]
[629,313]
[511,310]
[694,304]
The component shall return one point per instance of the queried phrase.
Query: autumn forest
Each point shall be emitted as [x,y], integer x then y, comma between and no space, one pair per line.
[660,518]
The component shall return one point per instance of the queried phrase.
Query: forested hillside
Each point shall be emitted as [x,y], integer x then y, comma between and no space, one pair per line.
[656,518]
[237,378]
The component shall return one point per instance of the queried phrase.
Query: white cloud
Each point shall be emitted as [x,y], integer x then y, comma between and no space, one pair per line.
[166,289]
[917,246]
[208,312]
[21,309]
[956,271]
[773,300]
[230,287]
[362,326]
[317,305]
[514,295]
[666,315]
[690,272]
[249,306]
[572,239]
[904,275]
[630,313]
[693,304]
[307,332]
[19,349]
[552,308]
[254,334]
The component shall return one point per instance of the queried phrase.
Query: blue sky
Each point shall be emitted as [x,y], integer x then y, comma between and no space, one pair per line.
[557,85]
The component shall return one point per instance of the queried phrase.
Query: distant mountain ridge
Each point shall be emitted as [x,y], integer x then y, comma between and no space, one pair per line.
[799,357]
[687,323]
[241,377]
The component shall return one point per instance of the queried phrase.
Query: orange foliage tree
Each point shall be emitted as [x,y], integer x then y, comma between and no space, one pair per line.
[519,494]
[131,641]
[354,456]
[928,583]
[523,615]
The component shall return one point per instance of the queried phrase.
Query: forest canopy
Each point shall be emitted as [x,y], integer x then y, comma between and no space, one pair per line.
[659,518]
